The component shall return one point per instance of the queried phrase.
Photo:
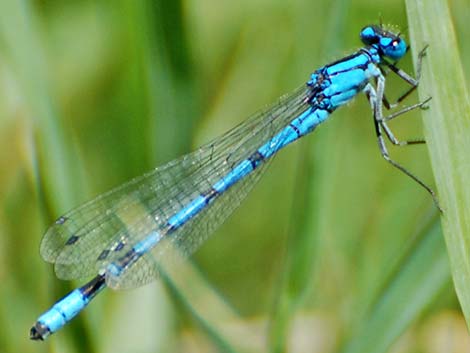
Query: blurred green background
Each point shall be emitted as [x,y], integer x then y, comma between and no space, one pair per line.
[334,251]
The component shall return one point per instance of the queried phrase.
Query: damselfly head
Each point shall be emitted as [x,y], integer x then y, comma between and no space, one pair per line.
[388,44]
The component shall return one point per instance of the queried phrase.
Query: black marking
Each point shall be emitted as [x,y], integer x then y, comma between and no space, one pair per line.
[345,59]
[61,220]
[39,332]
[104,254]
[170,228]
[297,131]
[63,315]
[129,258]
[330,109]
[312,95]
[322,102]
[93,287]
[120,246]
[317,99]
[210,195]
[322,80]
[255,159]
[72,240]
[370,56]
[362,51]
[362,67]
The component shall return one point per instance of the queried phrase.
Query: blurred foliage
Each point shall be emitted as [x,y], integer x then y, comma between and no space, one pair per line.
[334,251]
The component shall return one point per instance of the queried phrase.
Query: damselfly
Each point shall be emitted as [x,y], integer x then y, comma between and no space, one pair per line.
[120,236]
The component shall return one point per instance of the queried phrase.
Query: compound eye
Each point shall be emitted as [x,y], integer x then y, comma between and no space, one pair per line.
[396,49]
[369,35]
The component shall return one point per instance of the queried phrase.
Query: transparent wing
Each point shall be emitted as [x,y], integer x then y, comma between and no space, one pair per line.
[84,240]
[187,238]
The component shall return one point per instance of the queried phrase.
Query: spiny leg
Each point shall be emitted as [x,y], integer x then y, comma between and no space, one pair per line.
[396,142]
[388,131]
[375,100]
[386,156]
[421,105]
[414,82]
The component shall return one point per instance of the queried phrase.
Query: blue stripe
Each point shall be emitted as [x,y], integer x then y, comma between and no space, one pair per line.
[64,310]
[242,169]
[147,243]
[354,61]
[187,212]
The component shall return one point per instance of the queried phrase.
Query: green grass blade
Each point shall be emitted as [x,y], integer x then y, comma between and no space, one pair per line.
[447,131]
[296,282]
[226,329]
[19,28]
[407,294]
